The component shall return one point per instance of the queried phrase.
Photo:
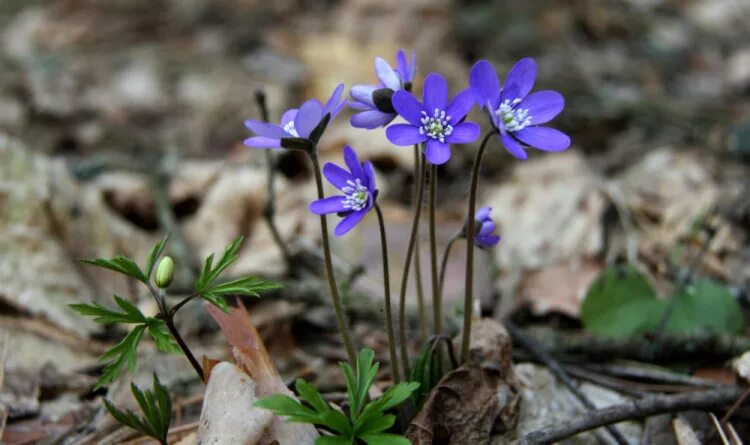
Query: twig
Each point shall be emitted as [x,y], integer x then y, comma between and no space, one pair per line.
[656,375]
[637,409]
[706,345]
[269,211]
[735,406]
[537,350]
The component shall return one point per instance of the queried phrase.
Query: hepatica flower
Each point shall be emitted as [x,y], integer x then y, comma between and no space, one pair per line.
[484,237]
[374,101]
[297,125]
[435,121]
[517,114]
[357,186]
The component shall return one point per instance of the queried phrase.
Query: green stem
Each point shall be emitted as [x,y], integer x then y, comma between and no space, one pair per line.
[444,262]
[405,275]
[471,229]
[337,306]
[387,287]
[436,306]
[418,255]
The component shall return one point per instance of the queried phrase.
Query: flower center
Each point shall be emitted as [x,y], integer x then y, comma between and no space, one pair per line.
[289,128]
[357,195]
[436,126]
[513,118]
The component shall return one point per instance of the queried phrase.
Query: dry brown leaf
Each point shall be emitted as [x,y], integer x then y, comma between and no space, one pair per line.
[252,357]
[475,399]
[559,288]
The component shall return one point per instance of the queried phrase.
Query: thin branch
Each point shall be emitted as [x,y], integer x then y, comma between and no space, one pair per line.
[537,350]
[637,409]
[269,211]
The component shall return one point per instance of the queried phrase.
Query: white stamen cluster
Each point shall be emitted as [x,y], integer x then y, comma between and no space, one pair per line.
[357,195]
[513,118]
[436,126]
[289,128]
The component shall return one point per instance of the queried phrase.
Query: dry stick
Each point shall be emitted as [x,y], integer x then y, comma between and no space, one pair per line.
[269,211]
[735,406]
[337,306]
[637,409]
[536,349]
[436,309]
[405,274]
[388,309]
[470,229]
[418,254]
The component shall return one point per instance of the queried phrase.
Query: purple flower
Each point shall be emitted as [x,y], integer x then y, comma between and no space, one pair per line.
[516,113]
[358,186]
[483,236]
[297,123]
[435,121]
[374,101]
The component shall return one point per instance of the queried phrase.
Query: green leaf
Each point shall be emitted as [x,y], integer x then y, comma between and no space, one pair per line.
[358,383]
[375,423]
[121,264]
[245,286]
[706,305]
[154,255]
[216,300]
[621,303]
[334,440]
[156,407]
[309,394]
[385,439]
[158,331]
[390,398]
[425,371]
[124,353]
[105,315]
[209,273]
[282,405]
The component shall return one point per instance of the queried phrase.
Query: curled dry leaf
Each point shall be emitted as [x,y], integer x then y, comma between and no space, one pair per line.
[252,358]
[476,399]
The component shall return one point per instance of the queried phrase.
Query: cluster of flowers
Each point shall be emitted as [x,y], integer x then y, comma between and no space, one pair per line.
[515,113]
[431,125]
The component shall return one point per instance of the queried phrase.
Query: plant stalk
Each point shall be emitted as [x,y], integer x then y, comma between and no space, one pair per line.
[418,255]
[470,230]
[337,306]
[405,274]
[444,262]
[437,325]
[388,308]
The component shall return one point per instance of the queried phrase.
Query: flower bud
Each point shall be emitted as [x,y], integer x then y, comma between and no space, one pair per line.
[164,273]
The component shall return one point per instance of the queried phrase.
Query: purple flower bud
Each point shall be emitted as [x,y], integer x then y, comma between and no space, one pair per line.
[483,236]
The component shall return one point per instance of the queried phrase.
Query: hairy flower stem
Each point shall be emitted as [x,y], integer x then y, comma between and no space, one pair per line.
[388,309]
[444,262]
[437,325]
[337,306]
[470,230]
[407,264]
[168,317]
[418,255]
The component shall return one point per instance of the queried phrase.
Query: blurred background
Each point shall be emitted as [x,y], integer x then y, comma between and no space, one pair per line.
[122,120]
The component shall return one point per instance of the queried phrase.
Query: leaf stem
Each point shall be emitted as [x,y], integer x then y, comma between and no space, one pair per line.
[388,309]
[417,254]
[471,228]
[407,264]
[337,306]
